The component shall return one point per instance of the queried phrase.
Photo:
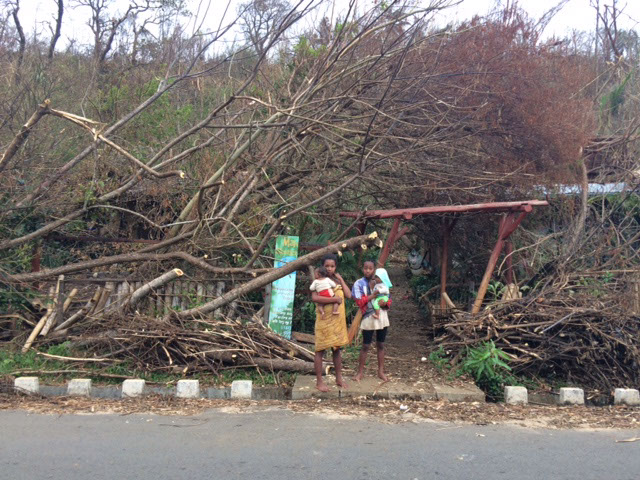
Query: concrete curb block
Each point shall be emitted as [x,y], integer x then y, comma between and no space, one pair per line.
[79,387]
[571,396]
[626,396]
[241,389]
[188,389]
[133,387]
[516,396]
[27,384]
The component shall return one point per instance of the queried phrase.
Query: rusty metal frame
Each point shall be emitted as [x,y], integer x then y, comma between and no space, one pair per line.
[514,213]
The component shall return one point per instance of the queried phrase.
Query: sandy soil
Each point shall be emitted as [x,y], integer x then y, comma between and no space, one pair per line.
[386,411]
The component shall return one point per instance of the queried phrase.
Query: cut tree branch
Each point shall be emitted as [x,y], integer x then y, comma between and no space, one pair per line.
[128,258]
[20,138]
[275,274]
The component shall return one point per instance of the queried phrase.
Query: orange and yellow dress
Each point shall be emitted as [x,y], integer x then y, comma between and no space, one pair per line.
[331,330]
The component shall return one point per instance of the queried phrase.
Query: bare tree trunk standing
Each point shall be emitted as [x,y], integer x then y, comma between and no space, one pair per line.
[56,31]
[22,41]
[577,229]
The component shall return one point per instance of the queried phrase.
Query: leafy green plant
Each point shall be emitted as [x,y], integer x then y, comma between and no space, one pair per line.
[14,300]
[596,286]
[439,359]
[495,289]
[612,101]
[486,363]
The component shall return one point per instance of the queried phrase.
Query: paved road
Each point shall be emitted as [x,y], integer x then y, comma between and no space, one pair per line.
[279,444]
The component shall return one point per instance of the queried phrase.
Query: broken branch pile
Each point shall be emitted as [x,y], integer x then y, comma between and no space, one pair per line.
[564,333]
[199,345]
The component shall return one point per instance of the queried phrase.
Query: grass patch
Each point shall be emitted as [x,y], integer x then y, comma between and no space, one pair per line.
[12,362]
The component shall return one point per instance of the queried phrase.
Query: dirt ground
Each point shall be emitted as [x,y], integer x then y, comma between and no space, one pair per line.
[409,341]
[386,411]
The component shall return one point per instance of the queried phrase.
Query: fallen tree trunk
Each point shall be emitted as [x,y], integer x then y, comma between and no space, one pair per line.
[80,314]
[286,365]
[266,363]
[127,258]
[22,135]
[275,274]
[303,337]
[147,288]
[303,352]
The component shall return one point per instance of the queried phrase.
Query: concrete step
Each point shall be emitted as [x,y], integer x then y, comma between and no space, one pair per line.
[305,387]
[468,393]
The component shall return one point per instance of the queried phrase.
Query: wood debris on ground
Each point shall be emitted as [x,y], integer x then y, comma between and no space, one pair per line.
[563,332]
[387,411]
[189,346]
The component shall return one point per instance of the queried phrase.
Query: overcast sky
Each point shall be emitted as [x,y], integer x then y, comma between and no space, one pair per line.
[576,15]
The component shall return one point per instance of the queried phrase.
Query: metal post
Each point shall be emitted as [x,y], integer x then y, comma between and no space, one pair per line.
[386,250]
[508,224]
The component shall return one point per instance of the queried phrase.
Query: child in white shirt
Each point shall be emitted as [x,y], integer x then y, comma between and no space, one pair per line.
[381,293]
[324,286]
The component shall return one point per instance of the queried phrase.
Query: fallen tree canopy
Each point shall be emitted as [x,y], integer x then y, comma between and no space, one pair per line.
[195,339]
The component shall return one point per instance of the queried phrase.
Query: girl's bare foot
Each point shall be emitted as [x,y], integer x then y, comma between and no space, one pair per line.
[322,387]
[383,377]
[358,377]
[341,383]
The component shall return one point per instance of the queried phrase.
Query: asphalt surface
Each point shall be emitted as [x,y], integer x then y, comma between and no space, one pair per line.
[279,444]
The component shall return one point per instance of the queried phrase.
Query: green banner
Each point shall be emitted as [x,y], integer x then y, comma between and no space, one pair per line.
[283,289]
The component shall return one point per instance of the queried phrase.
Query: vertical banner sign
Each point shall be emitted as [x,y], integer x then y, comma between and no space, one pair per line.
[282,290]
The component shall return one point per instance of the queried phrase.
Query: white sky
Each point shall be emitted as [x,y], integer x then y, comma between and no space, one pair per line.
[576,15]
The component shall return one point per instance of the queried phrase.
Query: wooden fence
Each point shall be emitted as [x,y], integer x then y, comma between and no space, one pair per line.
[69,296]
[72,300]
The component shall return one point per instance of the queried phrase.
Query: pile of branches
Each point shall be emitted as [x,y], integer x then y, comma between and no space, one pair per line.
[569,333]
[174,345]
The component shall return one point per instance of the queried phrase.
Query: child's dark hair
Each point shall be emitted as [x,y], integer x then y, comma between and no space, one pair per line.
[322,272]
[330,256]
[369,261]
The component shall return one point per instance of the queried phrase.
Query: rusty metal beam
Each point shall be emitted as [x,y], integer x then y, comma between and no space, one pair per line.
[386,250]
[408,213]
[508,224]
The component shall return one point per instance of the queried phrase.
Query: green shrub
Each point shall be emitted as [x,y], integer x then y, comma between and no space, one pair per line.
[439,359]
[486,363]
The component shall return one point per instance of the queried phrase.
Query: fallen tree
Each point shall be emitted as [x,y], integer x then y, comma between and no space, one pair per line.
[190,339]
[363,241]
